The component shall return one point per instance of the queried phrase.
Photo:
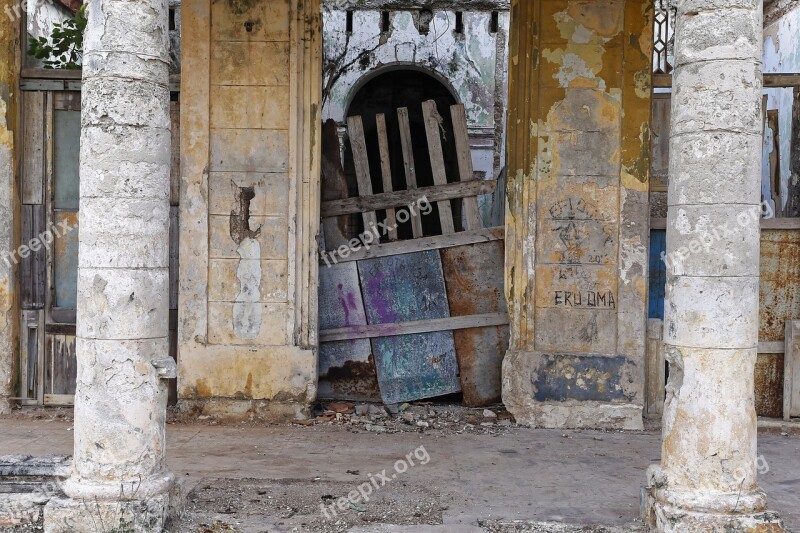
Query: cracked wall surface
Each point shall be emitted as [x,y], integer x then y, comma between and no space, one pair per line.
[577,216]
[238,339]
[9,46]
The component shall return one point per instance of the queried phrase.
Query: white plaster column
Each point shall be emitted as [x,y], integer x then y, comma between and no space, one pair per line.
[122,319]
[707,477]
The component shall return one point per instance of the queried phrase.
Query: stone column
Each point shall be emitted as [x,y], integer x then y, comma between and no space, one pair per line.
[707,477]
[9,49]
[119,473]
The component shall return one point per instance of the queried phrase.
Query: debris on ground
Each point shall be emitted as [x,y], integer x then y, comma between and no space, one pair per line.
[414,416]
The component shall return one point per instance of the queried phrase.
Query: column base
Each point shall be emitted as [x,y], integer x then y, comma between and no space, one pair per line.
[141,513]
[672,511]
[571,391]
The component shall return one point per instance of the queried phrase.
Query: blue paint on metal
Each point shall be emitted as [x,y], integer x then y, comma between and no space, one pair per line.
[658,274]
[404,288]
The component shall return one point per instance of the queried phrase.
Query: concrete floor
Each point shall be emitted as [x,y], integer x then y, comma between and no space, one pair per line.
[587,477]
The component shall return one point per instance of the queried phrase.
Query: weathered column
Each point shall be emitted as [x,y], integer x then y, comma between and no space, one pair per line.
[707,478]
[9,48]
[119,473]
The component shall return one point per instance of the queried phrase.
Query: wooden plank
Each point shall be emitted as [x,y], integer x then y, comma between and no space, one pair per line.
[770,80]
[432,123]
[174,247]
[780,223]
[404,198]
[775,162]
[659,142]
[473,275]
[414,326]
[408,163]
[33,142]
[386,172]
[59,399]
[771,346]
[464,154]
[336,231]
[355,130]
[175,155]
[791,370]
[33,279]
[416,245]
[793,186]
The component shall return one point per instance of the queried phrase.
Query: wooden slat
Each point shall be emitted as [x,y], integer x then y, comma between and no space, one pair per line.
[408,163]
[655,373]
[770,80]
[33,145]
[771,347]
[59,399]
[791,370]
[432,122]
[775,161]
[793,185]
[425,243]
[780,223]
[416,326]
[355,130]
[404,198]
[32,268]
[386,173]
[174,246]
[464,154]
[175,157]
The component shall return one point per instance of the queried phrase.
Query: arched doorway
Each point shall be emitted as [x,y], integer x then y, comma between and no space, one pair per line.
[385,93]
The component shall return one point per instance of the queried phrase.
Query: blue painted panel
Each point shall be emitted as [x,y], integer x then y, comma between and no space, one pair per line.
[66,149]
[65,262]
[406,288]
[346,368]
[658,274]
[562,377]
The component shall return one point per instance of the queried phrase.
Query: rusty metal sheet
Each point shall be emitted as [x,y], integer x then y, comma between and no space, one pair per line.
[406,288]
[474,279]
[346,368]
[65,261]
[780,282]
[769,385]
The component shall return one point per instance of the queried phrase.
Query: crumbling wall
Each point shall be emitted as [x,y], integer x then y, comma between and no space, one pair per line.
[472,63]
[577,213]
[9,71]
[239,210]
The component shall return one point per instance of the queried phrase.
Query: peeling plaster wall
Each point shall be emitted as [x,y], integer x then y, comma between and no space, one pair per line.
[9,65]
[239,209]
[577,215]
[782,55]
[473,64]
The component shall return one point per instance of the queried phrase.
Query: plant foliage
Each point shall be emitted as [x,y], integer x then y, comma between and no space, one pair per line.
[64,48]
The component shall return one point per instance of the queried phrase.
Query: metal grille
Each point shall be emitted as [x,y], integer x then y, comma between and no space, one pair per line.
[663,37]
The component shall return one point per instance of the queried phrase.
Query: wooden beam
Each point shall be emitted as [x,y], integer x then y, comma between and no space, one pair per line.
[450,191]
[432,123]
[417,326]
[664,81]
[416,245]
[464,154]
[386,172]
[408,163]
[771,347]
[355,130]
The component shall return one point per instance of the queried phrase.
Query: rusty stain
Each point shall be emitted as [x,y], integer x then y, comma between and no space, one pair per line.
[780,282]
[202,389]
[354,380]
[769,385]
[240,217]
